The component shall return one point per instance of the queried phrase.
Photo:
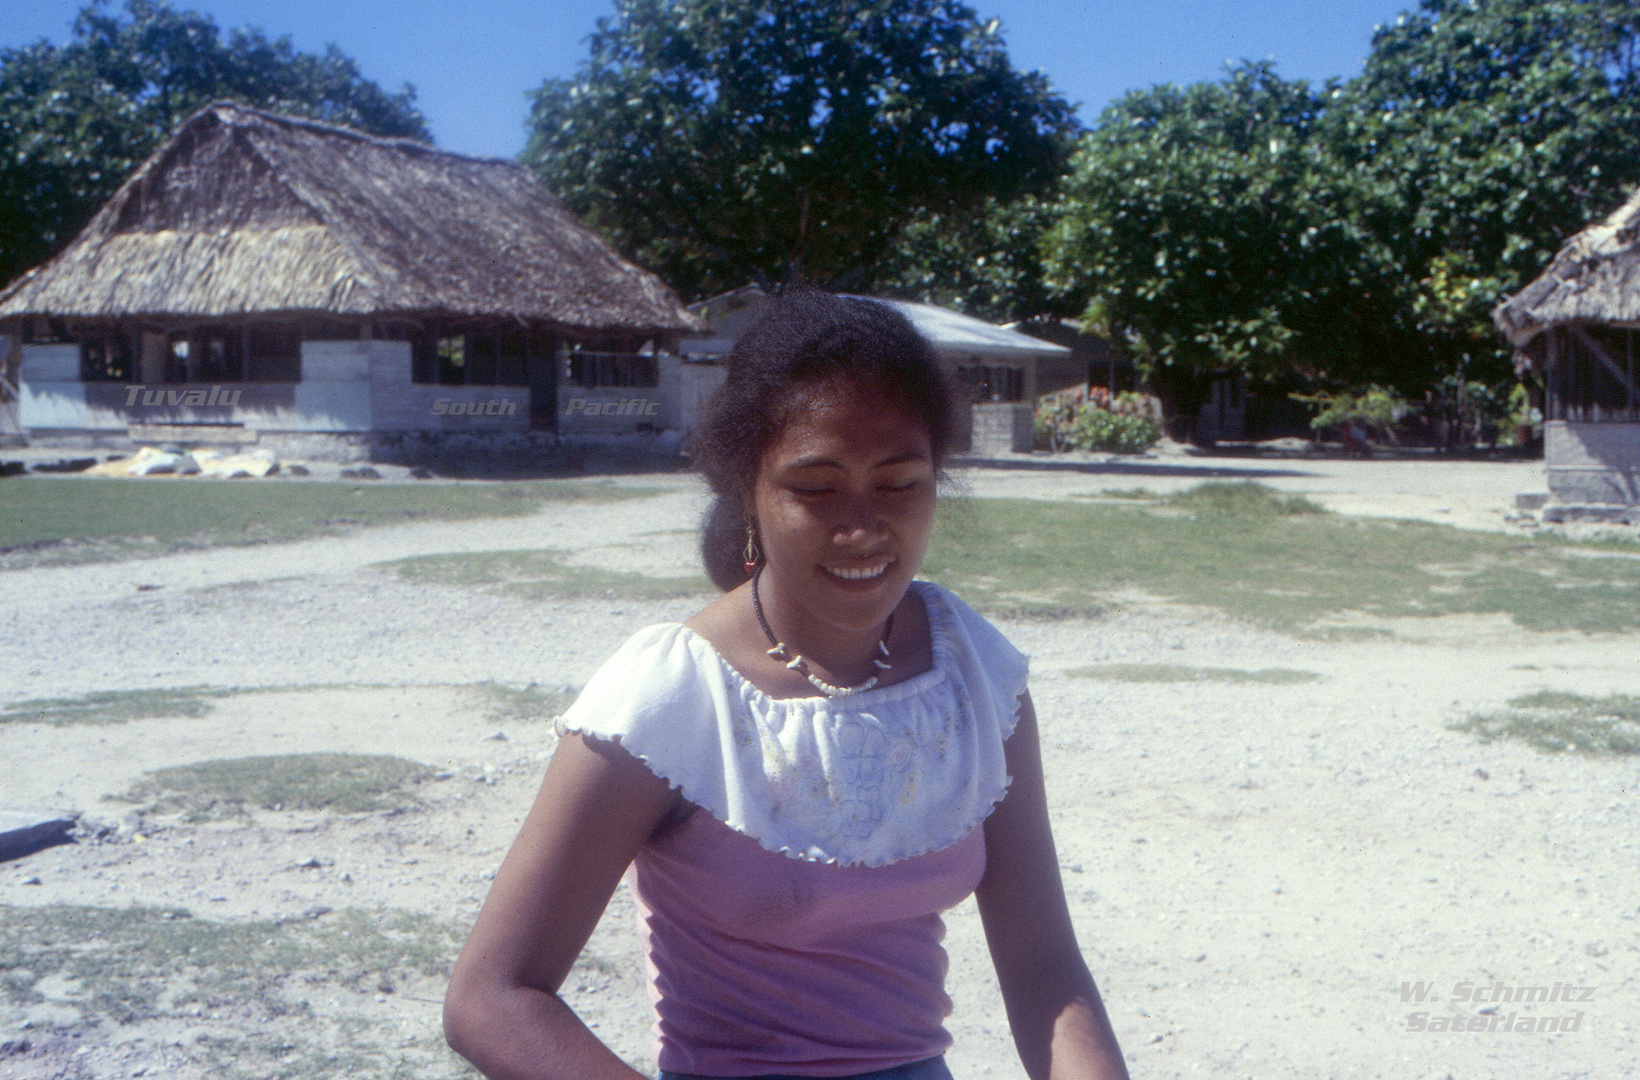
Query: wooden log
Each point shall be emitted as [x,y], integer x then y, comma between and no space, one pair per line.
[23,832]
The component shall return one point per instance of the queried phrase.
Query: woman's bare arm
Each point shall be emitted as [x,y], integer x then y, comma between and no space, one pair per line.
[1058,1021]
[597,807]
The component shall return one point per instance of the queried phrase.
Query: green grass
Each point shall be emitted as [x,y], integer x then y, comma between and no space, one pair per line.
[249,983]
[1240,499]
[115,706]
[1612,706]
[530,703]
[541,574]
[123,706]
[60,520]
[1269,559]
[1559,720]
[228,787]
[1171,673]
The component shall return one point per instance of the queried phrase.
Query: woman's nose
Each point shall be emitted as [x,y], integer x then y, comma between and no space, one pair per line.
[861,519]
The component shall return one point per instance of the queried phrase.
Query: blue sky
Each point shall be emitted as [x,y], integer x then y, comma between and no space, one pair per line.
[473,63]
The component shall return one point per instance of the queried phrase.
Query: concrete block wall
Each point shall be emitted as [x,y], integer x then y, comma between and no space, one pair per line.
[1001,427]
[1592,463]
[51,396]
[397,404]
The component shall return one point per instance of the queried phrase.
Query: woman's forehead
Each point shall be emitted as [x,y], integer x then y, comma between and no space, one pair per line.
[853,425]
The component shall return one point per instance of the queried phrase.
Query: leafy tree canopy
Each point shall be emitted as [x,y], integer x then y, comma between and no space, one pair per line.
[1360,233]
[718,141]
[1210,227]
[985,261]
[76,120]
[1490,132]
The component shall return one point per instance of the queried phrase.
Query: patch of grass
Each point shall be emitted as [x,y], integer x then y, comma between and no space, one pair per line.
[542,574]
[1610,707]
[1560,720]
[227,787]
[530,703]
[1260,557]
[59,521]
[115,706]
[248,983]
[1243,498]
[1334,635]
[1171,673]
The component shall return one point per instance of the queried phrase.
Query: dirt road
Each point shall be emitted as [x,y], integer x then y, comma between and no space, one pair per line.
[1261,868]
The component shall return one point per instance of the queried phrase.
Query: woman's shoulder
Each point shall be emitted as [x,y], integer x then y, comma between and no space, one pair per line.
[658,674]
[967,627]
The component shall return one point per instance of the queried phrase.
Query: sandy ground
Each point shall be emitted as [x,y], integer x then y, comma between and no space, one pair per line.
[1254,870]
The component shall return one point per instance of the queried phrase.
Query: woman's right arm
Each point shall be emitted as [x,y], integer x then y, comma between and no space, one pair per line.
[597,807]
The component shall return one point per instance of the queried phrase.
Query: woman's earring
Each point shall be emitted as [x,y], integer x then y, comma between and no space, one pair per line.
[751,550]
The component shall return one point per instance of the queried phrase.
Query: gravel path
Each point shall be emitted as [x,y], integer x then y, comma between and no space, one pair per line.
[1254,870]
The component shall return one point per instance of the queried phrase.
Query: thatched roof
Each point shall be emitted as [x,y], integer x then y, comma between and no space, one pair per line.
[1595,278]
[243,211]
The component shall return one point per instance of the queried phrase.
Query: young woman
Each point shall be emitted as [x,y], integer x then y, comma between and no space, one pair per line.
[804,774]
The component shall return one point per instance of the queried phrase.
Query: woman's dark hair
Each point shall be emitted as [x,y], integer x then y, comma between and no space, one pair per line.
[805,341]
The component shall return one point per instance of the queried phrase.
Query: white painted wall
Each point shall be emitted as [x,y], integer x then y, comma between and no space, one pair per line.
[696,385]
[451,408]
[344,382]
[339,361]
[51,363]
[51,395]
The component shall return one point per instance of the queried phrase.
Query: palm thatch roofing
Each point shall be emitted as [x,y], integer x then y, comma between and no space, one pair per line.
[1595,278]
[246,212]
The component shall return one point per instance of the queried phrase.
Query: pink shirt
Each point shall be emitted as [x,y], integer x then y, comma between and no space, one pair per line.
[792,922]
[762,963]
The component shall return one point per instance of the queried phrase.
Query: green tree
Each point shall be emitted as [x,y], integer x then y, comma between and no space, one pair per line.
[76,120]
[1361,233]
[718,141]
[985,261]
[1487,133]
[1210,226]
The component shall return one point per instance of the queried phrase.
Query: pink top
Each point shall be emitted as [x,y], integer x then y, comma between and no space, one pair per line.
[792,922]
[760,963]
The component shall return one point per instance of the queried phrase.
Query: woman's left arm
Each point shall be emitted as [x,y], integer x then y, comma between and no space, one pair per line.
[1058,1021]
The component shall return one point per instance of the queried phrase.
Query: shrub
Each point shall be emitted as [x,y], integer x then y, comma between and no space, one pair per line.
[1375,408]
[1126,424]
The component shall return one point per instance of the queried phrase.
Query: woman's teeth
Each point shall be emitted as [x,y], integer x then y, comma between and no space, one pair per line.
[856,575]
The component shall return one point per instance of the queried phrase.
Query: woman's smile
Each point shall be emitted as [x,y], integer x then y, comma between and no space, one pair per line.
[844,507]
[859,578]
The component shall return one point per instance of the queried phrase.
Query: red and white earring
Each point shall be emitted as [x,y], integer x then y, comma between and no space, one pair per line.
[752,554]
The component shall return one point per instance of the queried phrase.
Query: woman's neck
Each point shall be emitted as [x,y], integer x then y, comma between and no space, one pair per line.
[841,655]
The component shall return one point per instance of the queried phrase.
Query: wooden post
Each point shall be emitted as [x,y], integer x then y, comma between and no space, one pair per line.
[1552,404]
[1629,341]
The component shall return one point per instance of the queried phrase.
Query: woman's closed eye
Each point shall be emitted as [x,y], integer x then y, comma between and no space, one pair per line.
[885,487]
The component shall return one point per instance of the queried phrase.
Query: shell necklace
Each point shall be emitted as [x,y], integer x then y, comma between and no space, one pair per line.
[796,661]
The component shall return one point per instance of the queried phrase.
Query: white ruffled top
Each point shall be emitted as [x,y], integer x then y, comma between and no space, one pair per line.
[862,779]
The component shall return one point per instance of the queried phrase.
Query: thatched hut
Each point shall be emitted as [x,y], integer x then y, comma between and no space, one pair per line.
[1576,327]
[264,278]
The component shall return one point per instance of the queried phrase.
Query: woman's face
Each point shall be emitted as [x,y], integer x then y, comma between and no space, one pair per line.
[844,506]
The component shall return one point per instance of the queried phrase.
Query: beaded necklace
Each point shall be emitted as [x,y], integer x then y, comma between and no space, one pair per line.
[796,661]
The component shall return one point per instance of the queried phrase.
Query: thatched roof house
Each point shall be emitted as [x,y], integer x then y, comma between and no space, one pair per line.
[1576,327]
[250,244]
[1595,279]
[246,212]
